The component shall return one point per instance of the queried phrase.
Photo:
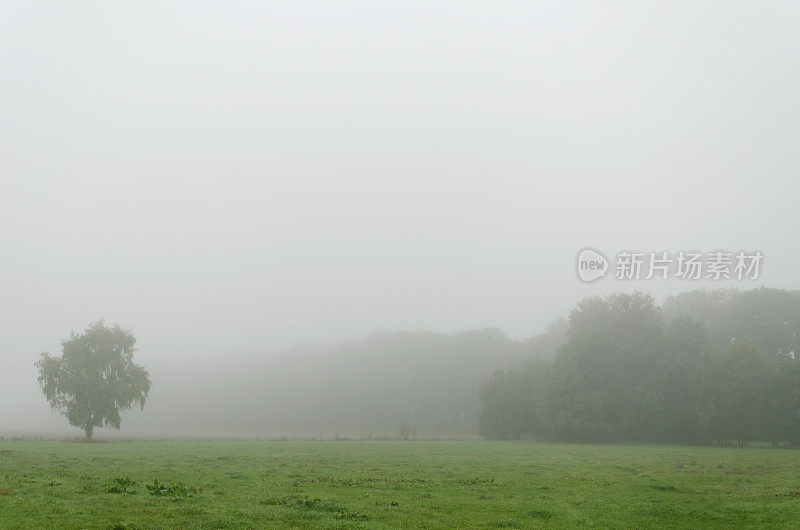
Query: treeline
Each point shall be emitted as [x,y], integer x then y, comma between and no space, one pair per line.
[414,383]
[704,367]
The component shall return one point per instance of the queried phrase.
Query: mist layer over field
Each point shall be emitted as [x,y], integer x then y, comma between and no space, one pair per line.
[232,182]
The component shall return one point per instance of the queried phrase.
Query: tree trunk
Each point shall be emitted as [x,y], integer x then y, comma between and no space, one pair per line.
[89,431]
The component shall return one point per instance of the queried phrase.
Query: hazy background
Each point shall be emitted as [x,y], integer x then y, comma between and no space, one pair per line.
[246,176]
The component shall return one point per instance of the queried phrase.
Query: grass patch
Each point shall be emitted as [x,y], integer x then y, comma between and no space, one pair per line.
[121,485]
[227,484]
[170,489]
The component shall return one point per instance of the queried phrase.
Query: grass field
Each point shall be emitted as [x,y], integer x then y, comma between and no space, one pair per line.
[227,484]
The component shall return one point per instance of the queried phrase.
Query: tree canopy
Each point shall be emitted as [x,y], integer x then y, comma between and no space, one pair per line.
[706,366]
[95,378]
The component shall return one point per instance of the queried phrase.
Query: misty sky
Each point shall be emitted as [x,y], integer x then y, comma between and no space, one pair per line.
[248,175]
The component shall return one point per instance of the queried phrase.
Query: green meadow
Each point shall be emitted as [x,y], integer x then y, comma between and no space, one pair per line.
[393,484]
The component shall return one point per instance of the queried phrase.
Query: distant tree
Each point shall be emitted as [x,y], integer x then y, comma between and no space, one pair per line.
[545,345]
[600,374]
[767,318]
[711,307]
[676,388]
[404,430]
[95,377]
[745,396]
[706,366]
[510,402]
[786,413]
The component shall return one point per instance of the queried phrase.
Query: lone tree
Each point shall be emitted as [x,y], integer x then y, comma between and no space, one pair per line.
[95,377]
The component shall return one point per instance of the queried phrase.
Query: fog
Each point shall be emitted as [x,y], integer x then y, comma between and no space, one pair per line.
[231,180]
